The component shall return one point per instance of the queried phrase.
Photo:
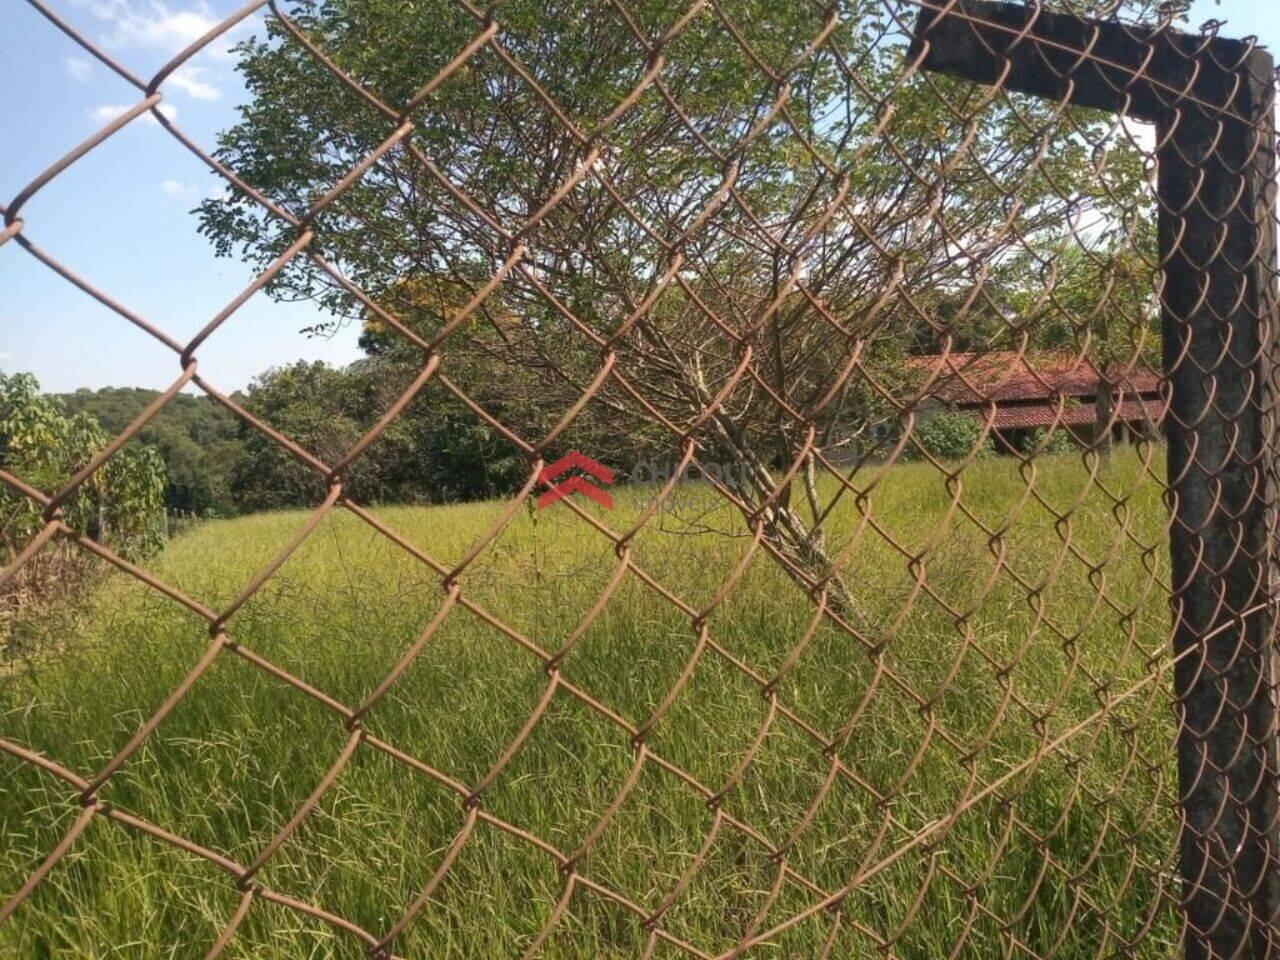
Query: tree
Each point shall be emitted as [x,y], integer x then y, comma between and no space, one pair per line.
[743,262]
[434,452]
[120,504]
[311,404]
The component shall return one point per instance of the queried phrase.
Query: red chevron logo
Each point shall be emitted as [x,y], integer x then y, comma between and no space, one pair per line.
[575,483]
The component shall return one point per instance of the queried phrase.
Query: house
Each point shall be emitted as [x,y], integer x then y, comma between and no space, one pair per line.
[1018,393]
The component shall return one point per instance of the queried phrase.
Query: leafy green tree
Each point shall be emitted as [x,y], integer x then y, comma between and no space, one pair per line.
[121,504]
[434,451]
[815,226]
[309,403]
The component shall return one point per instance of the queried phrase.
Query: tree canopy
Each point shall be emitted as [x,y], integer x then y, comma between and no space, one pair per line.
[703,223]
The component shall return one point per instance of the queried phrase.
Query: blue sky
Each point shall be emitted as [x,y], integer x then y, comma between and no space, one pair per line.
[121,216]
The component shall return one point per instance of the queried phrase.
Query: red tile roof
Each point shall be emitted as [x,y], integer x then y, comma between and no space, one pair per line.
[967,379]
[1046,414]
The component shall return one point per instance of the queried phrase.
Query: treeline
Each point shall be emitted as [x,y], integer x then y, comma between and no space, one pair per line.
[436,450]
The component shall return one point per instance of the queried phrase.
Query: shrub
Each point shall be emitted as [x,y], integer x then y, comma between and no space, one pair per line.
[952,436]
[1042,441]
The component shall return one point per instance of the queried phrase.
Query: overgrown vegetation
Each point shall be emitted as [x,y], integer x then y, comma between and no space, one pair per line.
[1043,440]
[1070,858]
[197,438]
[770,319]
[218,466]
[435,451]
[724,224]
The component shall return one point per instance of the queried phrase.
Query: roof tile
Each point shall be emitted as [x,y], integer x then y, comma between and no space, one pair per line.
[1047,414]
[965,379]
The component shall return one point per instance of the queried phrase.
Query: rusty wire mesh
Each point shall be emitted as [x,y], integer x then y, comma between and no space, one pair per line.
[828,278]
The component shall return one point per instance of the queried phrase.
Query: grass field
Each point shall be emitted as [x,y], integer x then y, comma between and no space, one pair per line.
[1072,855]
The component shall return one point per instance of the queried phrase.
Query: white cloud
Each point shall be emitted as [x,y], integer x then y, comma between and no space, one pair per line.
[78,68]
[168,26]
[222,191]
[108,112]
[151,23]
[179,188]
[157,24]
[174,28]
[187,79]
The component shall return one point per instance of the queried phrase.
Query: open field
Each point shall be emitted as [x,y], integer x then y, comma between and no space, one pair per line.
[1045,622]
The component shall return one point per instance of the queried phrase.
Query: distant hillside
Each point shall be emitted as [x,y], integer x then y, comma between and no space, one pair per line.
[198,439]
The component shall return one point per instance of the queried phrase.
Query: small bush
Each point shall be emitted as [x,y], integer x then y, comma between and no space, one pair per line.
[1041,441]
[952,436]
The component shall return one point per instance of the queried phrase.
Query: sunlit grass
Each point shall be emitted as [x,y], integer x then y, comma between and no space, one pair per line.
[974,647]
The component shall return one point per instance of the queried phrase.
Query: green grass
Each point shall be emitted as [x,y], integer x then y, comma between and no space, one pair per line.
[1072,855]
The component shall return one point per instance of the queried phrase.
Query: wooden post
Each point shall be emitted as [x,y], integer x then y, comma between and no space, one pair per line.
[1212,101]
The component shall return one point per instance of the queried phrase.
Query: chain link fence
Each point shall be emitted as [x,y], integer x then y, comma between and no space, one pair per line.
[808,262]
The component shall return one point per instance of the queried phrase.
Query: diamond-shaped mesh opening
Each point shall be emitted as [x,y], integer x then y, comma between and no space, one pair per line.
[155,782]
[371,881]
